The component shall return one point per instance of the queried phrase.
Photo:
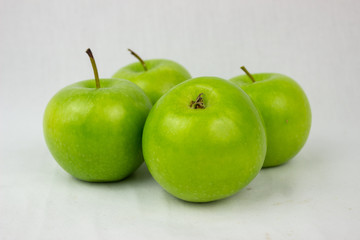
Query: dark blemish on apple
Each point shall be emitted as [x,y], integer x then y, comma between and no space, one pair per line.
[287,121]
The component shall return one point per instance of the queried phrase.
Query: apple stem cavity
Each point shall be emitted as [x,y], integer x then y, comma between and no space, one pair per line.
[138,58]
[198,103]
[97,80]
[247,73]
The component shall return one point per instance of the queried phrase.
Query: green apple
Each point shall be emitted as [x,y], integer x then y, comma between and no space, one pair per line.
[94,132]
[155,77]
[285,110]
[204,140]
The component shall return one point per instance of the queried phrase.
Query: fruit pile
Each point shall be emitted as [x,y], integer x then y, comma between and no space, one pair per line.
[202,139]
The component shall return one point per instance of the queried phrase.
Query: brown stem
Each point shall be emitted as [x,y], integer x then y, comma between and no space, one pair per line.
[247,73]
[138,58]
[198,103]
[97,80]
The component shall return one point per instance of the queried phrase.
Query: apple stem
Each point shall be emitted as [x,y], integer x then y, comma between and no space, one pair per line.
[198,103]
[97,80]
[247,73]
[138,58]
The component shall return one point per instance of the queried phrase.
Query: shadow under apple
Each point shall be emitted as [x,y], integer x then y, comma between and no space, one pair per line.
[141,175]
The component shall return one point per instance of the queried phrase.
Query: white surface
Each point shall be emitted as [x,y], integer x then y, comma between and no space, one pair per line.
[42,49]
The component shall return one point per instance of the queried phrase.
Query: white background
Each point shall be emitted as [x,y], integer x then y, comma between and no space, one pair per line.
[42,49]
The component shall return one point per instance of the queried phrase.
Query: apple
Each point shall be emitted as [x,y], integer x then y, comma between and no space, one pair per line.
[94,132]
[204,140]
[155,76]
[285,110]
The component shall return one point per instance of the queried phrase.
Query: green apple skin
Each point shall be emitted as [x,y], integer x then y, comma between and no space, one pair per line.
[202,155]
[285,110]
[95,134]
[161,76]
